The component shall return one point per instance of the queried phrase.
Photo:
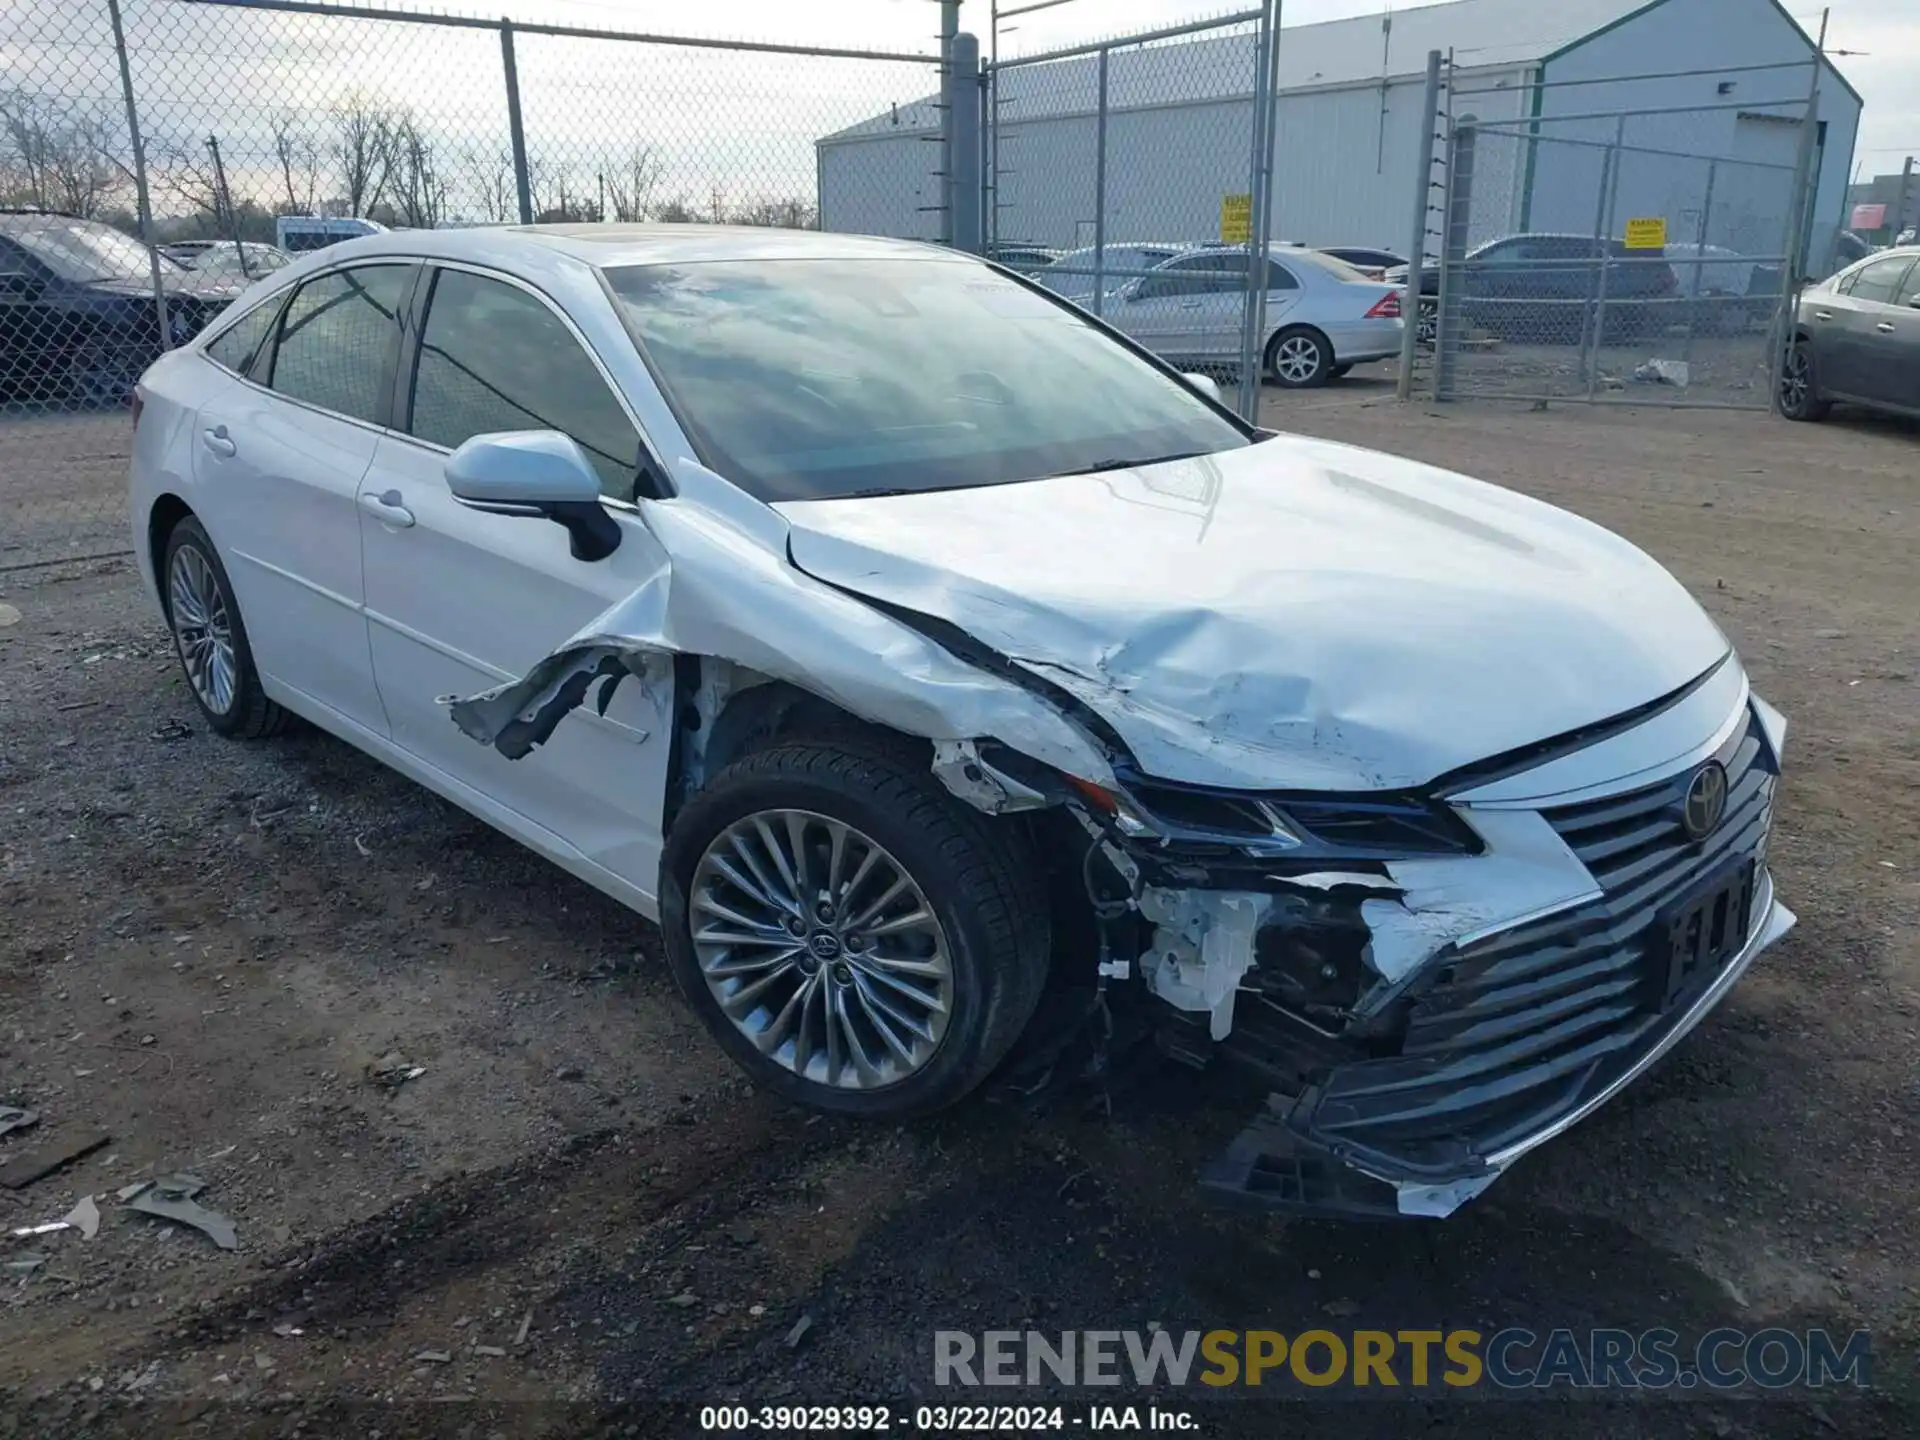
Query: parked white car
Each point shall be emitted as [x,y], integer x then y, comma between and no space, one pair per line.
[859,613]
[1323,317]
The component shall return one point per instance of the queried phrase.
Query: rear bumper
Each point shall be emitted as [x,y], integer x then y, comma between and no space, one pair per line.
[1358,341]
[1287,1160]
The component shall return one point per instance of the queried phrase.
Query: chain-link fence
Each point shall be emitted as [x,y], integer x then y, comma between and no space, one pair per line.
[1128,174]
[1634,256]
[157,156]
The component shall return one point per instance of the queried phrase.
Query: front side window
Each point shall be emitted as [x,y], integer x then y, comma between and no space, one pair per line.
[817,379]
[493,357]
[236,346]
[337,341]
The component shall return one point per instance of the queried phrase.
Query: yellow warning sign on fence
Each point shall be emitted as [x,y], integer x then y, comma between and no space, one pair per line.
[1647,233]
[1236,219]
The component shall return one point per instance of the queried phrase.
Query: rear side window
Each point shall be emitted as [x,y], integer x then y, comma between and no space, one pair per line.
[236,346]
[493,357]
[338,340]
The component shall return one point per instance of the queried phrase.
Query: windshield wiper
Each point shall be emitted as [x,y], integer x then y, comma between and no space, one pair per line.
[1100,467]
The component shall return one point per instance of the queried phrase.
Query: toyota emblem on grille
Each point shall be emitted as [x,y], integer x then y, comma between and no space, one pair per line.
[1706,801]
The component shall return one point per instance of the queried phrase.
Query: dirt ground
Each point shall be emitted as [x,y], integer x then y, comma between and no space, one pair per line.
[576,1204]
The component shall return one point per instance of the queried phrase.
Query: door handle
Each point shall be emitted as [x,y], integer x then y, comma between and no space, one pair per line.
[1885,327]
[219,442]
[1189,304]
[387,509]
[1823,314]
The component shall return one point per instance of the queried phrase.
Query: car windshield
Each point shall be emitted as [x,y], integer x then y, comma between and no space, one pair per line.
[820,379]
[84,250]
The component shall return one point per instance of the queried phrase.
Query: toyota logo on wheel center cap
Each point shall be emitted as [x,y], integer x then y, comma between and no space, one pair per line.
[824,945]
[1706,801]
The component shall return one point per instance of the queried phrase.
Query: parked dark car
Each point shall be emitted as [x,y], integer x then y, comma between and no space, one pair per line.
[1548,288]
[1856,338]
[1023,258]
[78,323]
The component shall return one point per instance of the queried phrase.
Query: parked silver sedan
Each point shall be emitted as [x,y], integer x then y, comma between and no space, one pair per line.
[1857,339]
[1323,317]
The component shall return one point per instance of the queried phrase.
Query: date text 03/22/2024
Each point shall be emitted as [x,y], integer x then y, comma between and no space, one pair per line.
[938,1419]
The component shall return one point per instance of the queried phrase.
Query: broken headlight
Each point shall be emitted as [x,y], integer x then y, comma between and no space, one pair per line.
[1370,827]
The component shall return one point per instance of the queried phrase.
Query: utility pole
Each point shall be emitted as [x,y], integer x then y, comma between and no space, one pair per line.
[1900,205]
[223,202]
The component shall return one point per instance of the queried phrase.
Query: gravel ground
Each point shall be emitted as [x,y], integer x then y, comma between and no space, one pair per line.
[206,949]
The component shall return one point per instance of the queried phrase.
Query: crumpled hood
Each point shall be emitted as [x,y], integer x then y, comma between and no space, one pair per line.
[1294,614]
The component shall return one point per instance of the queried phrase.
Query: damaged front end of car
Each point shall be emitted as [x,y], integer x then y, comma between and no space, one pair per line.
[1427,980]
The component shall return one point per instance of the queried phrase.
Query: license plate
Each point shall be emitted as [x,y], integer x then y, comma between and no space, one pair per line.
[1707,930]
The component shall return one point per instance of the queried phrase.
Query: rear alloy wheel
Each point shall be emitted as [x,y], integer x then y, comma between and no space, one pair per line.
[1299,359]
[211,640]
[1427,328]
[1800,387]
[854,937]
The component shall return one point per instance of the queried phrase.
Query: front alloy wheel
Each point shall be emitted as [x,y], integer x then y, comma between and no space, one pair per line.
[856,938]
[821,950]
[1799,388]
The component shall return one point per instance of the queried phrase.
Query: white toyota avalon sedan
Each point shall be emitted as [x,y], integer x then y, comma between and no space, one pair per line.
[909,645]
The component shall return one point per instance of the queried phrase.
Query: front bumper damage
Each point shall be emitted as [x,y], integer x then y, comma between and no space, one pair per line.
[1470,1042]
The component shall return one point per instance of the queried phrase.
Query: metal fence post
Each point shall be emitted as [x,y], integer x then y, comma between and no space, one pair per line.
[1100,193]
[1603,236]
[1462,143]
[516,131]
[963,120]
[1799,217]
[1260,176]
[1422,205]
[1699,266]
[142,200]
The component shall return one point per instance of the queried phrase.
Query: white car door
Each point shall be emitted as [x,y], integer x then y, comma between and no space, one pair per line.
[278,460]
[459,601]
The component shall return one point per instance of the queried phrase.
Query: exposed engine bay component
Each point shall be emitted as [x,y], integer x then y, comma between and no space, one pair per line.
[1203,942]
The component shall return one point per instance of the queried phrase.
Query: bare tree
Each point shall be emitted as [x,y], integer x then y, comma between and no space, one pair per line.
[631,180]
[677,211]
[557,195]
[363,149]
[298,154]
[57,158]
[790,213]
[420,188]
[487,172]
[180,167]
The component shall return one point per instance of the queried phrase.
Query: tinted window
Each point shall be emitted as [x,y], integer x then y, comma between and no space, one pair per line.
[1197,275]
[1881,281]
[337,341]
[811,379]
[493,357]
[1910,291]
[236,346]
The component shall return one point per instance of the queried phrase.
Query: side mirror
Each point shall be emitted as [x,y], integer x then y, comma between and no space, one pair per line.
[539,473]
[1205,384]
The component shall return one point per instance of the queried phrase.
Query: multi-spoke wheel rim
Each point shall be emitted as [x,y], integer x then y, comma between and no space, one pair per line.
[202,628]
[1428,324]
[1295,359]
[821,949]
[1793,380]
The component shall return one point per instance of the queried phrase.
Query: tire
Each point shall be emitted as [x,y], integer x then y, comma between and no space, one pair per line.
[1427,326]
[1339,372]
[979,884]
[1299,358]
[204,618]
[1800,385]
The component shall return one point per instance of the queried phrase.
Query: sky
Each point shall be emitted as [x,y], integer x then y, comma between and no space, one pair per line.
[1883,34]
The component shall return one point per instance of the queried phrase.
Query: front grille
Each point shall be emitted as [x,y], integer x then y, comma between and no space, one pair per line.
[1514,1031]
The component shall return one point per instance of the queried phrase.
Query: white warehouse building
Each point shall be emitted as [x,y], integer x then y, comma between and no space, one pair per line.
[1351,105]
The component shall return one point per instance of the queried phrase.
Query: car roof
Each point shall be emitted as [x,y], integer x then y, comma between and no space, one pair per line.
[606,246]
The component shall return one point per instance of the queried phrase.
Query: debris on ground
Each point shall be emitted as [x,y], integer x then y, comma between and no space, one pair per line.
[24,1264]
[798,1332]
[1663,372]
[393,1070]
[9,615]
[171,730]
[29,1232]
[492,1351]
[13,1118]
[172,1198]
[84,1217]
[526,1324]
[127,1192]
[42,1163]
[434,1357]
[741,1232]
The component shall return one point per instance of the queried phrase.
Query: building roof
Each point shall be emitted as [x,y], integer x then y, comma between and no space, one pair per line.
[1480,33]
